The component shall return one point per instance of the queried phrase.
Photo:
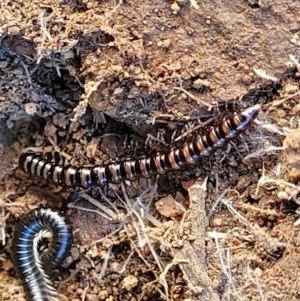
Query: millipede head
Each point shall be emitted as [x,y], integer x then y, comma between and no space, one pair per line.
[252,112]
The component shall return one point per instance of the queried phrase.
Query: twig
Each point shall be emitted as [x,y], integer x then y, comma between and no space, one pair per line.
[105,264]
[90,87]
[263,74]
[226,271]
[262,151]
[233,211]
[194,272]
[98,204]
[280,101]
[218,200]
[73,206]
[209,106]
[140,229]
[3,219]
[162,276]
[154,254]
[121,271]
[45,34]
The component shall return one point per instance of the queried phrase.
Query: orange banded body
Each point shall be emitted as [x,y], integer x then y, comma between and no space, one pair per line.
[188,154]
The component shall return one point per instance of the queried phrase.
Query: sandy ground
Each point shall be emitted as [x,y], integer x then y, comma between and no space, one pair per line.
[106,80]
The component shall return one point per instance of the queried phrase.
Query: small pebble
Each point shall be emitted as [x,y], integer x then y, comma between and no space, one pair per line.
[129,283]
[92,297]
[103,294]
[30,108]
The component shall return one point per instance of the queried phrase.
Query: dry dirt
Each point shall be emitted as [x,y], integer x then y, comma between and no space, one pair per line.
[105,80]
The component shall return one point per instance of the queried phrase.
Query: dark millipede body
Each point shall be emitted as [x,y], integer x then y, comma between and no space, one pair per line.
[34,268]
[190,153]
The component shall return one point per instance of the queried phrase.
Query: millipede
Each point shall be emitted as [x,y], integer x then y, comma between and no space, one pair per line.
[33,268]
[116,172]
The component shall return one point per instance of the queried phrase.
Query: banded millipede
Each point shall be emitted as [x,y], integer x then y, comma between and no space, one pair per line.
[190,153]
[34,268]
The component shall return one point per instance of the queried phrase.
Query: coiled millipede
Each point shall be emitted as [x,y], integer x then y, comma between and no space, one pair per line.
[36,224]
[33,268]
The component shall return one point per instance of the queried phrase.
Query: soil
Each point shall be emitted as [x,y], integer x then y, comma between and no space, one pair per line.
[105,80]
